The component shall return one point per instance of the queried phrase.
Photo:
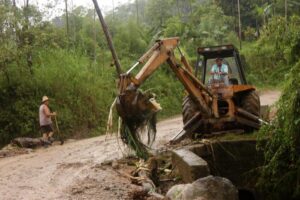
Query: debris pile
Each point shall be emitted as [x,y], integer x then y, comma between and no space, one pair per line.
[138,112]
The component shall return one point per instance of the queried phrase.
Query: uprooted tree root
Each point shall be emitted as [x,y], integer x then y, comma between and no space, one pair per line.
[138,118]
[131,132]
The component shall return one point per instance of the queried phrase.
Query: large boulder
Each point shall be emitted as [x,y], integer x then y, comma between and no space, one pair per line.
[207,188]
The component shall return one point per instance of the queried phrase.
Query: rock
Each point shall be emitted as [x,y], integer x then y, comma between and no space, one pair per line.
[106,188]
[107,162]
[175,192]
[77,190]
[3,153]
[115,164]
[208,188]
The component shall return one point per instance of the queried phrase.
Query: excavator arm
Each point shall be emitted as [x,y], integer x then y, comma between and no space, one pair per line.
[161,52]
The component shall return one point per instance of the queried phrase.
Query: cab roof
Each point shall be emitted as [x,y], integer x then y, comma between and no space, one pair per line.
[222,51]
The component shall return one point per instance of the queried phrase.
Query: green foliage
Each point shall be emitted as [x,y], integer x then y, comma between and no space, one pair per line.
[75,87]
[72,70]
[130,40]
[208,26]
[168,89]
[174,27]
[279,7]
[158,12]
[280,175]
[249,15]
[278,48]
[250,34]
[38,58]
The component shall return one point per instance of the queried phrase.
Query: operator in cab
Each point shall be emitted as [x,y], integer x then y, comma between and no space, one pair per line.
[219,72]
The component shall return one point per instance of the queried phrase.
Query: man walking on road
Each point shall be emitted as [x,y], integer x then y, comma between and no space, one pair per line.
[45,120]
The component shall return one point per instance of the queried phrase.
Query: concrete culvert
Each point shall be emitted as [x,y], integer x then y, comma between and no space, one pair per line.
[245,194]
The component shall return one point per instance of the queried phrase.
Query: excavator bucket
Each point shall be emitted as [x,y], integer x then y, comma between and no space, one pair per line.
[135,105]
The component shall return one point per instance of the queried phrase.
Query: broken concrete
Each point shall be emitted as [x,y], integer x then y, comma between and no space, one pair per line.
[190,166]
[236,160]
[233,159]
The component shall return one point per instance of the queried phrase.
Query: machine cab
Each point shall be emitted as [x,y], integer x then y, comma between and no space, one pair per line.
[230,57]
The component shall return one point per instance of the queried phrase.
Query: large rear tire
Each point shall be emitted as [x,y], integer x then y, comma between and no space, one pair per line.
[251,103]
[189,109]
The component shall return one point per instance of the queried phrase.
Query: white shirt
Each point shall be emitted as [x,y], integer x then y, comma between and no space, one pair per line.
[44,119]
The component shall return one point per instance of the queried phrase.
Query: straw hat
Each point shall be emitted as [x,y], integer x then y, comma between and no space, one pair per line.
[45,98]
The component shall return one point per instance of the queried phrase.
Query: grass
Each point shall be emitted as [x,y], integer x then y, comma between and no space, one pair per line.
[235,136]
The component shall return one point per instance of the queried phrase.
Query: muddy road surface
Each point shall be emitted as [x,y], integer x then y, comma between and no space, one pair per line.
[74,170]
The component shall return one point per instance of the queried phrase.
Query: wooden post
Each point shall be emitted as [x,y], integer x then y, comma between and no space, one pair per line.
[285,12]
[95,39]
[137,11]
[113,4]
[240,24]
[108,38]
[67,19]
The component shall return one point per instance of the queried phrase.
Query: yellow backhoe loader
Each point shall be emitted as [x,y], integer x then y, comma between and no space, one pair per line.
[210,106]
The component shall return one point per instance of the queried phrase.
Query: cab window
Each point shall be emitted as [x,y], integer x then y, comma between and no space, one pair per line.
[233,73]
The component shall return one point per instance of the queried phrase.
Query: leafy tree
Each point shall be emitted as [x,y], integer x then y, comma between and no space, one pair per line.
[208,26]
[174,27]
[276,51]
[158,12]
[37,57]
[280,176]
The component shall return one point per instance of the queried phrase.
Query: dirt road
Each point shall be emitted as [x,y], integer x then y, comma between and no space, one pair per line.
[73,171]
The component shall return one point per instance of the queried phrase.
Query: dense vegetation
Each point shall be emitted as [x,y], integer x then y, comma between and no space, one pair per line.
[67,59]
[280,176]
[271,57]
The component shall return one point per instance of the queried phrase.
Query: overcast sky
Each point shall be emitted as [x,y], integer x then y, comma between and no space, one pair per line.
[58,5]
